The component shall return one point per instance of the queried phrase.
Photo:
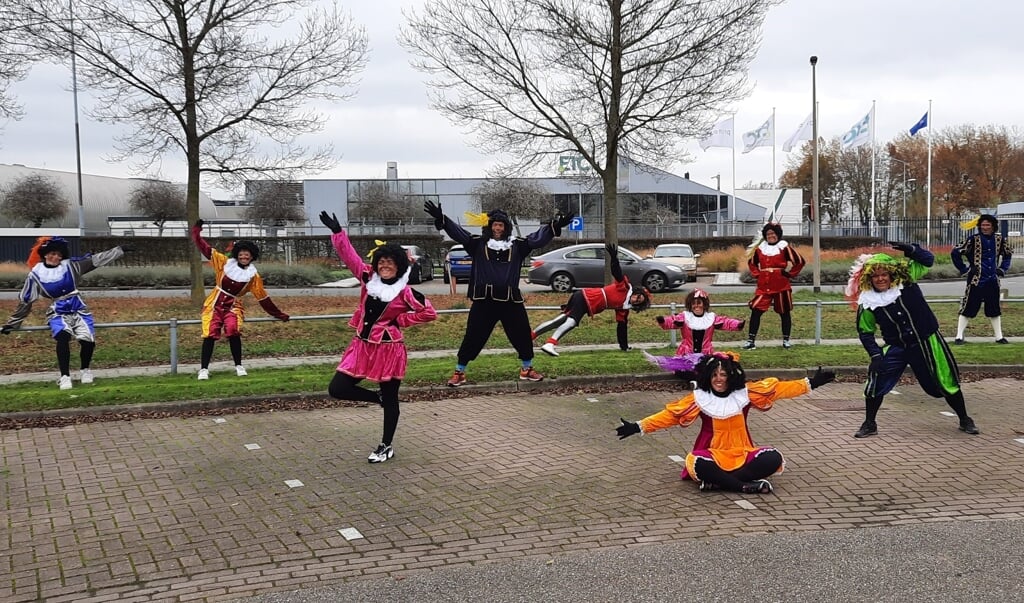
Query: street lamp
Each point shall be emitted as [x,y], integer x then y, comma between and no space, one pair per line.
[904,184]
[815,219]
[718,204]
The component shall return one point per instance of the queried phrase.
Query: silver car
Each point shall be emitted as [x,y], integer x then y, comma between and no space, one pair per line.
[680,254]
[582,265]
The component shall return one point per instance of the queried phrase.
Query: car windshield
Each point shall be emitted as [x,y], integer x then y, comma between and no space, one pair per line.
[673,252]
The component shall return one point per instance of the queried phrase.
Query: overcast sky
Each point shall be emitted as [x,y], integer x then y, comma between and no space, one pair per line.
[964,57]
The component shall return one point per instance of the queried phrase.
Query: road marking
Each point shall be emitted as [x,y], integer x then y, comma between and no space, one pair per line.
[293,483]
[746,504]
[252,446]
[220,420]
[350,533]
[676,458]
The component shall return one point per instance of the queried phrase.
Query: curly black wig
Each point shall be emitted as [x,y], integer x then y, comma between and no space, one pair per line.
[707,366]
[244,245]
[396,253]
[772,226]
[498,215]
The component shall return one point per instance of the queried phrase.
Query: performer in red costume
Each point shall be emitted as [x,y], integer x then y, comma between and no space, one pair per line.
[223,312]
[619,296]
[774,263]
[724,455]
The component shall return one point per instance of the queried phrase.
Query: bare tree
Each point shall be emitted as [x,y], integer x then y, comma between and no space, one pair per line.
[159,201]
[34,198]
[274,203]
[538,78]
[202,79]
[383,201]
[14,62]
[518,197]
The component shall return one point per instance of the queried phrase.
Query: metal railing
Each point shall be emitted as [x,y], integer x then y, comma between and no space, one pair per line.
[173,323]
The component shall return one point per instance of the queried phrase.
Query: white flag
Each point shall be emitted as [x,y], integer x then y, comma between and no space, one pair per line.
[860,133]
[761,137]
[804,132]
[721,136]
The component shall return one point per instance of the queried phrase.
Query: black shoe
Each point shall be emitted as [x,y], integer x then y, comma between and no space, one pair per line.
[968,426]
[760,486]
[868,428]
[1002,340]
[708,487]
[958,342]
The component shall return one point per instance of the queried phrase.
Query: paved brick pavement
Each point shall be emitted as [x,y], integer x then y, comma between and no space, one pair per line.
[181,510]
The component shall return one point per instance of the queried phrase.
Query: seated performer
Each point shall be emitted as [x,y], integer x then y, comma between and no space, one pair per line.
[619,296]
[724,456]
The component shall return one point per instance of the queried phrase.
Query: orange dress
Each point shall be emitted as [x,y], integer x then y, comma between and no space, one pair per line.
[724,437]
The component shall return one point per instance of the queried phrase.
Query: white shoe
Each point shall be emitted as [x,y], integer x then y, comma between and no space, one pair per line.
[87,376]
[240,370]
[381,454]
[203,375]
[64,382]
[549,349]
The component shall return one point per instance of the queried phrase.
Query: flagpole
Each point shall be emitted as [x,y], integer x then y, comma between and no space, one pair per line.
[928,229]
[732,206]
[774,184]
[871,229]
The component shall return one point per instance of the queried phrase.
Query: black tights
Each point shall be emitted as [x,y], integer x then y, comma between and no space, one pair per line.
[955,401]
[346,387]
[234,342]
[763,465]
[755,323]
[64,352]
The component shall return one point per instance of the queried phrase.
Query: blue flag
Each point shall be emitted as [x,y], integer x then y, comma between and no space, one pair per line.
[921,124]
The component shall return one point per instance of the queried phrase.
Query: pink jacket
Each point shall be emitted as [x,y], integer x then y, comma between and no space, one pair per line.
[403,311]
[686,322]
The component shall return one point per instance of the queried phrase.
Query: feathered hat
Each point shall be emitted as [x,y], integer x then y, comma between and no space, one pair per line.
[865,265]
[45,245]
[976,222]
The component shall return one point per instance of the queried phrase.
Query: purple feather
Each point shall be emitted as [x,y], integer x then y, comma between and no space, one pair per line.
[686,362]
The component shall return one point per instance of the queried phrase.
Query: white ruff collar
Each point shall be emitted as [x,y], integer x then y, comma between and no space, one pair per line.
[45,274]
[879,299]
[699,323]
[385,292]
[497,245]
[771,250]
[626,305]
[721,408]
[238,274]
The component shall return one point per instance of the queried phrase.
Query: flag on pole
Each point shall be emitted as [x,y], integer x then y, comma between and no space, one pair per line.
[920,125]
[860,133]
[720,136]
[761,137]
[804,132]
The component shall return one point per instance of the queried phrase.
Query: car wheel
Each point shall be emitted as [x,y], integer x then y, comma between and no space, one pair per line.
[655,282]
[561,282]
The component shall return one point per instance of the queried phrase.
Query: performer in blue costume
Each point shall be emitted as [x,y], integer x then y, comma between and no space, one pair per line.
[54,276]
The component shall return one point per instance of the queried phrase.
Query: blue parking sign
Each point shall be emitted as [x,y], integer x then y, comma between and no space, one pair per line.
[577,224]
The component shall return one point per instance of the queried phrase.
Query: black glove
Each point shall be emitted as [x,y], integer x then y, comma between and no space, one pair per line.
[627,429]
[562,220]
[906,248]
[821,377]
[743,323]
[660,319]
[1000,272]
[199,223]
[127,248]
[6,330]
[786,274]
[612,249]
[435,211]
[330,221]
[876,363]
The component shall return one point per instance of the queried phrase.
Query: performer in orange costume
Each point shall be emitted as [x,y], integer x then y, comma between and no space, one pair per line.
[724,456]
[773,263]
[222,309]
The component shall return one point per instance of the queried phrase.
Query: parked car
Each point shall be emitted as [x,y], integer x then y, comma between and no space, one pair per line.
[680,254]
[422,264]
[583,266]
[459,262]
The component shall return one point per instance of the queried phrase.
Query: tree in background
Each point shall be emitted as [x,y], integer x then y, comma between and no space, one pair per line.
[159,201]
[536,79]
[381,202]
[14,62]
[34,198]
[203,80]
[519,197]
[274,203]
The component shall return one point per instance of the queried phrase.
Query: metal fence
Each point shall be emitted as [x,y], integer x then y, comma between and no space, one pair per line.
[672,335]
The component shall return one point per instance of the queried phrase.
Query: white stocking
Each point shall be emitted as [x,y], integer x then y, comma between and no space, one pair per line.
[961,326]
[567,326]
[997,326]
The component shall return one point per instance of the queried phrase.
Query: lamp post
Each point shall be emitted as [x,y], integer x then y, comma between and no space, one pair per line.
[718,204]
[904,184]
[74,96]
[815,218]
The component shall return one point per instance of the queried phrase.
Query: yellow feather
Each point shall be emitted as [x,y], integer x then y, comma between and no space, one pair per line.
[476,219]
[970,224]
